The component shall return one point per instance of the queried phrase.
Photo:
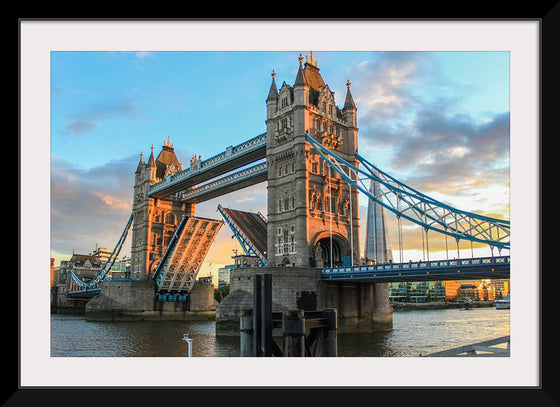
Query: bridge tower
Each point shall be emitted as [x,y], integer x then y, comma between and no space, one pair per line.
[154,219]
[313,215]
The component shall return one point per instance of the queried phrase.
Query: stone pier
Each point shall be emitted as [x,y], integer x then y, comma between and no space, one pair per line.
[361,307]
[137,301]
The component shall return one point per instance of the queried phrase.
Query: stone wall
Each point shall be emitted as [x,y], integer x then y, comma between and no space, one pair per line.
[292,288]
[361,307]
[136,301]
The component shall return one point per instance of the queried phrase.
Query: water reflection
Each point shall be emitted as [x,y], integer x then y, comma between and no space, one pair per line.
[365,345]
[414,332]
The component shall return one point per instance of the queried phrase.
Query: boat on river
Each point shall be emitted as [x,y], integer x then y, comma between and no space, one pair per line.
[502,303]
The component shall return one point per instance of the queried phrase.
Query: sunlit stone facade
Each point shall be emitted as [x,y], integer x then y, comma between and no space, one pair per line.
[155,220]
[313,217]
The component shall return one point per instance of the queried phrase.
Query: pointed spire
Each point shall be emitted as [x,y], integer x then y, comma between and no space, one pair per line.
[140,163]
[151,160]
[168,142]
[273,92]
[300,77]
[349,102]
[310,60]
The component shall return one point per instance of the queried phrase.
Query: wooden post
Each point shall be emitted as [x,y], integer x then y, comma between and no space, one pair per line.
[246,332]
[257,320]
[293,331]
[327,336]
[332,324]
[262,315]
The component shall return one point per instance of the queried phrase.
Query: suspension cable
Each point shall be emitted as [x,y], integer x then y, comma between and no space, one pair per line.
[330,215]
[351,220]
[399,226]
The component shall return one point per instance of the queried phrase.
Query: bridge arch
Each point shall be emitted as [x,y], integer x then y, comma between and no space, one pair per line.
[321,250]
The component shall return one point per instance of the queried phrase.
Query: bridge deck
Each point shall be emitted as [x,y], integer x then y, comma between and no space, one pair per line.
[251,225]
[185,254]
[232,158]
[232,182]
[456,269]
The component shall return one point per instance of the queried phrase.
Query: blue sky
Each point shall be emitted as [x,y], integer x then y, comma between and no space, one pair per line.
[438,121]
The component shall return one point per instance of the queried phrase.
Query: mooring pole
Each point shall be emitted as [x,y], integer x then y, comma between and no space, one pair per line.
[293,331]
[262,315]
[246,332]
[332,325]
[189,344]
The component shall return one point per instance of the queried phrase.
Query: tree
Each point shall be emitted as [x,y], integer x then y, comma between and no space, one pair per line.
[221,292]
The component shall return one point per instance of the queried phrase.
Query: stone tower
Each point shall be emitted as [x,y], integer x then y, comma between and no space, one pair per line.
[154,220]
[313,215]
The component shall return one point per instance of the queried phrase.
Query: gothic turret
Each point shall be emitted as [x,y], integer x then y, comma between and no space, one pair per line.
[152,168]
[272,99]
[301,86]
[349,110]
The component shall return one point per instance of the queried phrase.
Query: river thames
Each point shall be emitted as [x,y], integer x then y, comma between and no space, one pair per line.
[414,332]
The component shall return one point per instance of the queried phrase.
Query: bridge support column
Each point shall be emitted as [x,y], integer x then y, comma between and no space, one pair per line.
[362,307]
[382,310]
[137,301]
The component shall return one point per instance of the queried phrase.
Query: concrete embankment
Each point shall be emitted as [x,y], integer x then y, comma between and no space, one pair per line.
[409,306]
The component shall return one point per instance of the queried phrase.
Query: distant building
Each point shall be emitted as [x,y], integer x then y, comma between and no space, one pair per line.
[103,253]
[417,292]
[501,288]
[239,261]
[224,276]
[444,291]
[205,280]
[451,289]
[52,271]
[87,266]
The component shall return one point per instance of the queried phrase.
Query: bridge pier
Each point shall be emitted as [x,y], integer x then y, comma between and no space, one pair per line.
[361,306]
[138,301]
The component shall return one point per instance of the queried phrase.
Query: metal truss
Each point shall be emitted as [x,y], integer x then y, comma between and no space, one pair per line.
[456,269]
[245,177]
[100,276]
[248,151]
[179,266]
[408,203]
[246,244]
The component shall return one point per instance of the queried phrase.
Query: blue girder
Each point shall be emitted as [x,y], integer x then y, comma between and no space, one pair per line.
[159,271]
[455,269]
[245,243]
[102,274]
[417,207]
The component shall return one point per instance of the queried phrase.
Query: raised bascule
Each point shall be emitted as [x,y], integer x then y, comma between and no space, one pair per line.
[309,239]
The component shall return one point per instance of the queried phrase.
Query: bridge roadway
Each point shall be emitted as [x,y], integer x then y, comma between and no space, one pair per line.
[478,268]
[481,268]
[232,182]
[232,158]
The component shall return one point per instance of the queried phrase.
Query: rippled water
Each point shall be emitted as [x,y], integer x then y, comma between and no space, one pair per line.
[413,332]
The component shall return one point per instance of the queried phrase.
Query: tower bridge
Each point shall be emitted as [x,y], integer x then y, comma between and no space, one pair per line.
[309,240]
[231,158]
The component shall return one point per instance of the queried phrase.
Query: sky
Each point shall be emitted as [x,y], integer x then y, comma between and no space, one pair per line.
[437,121]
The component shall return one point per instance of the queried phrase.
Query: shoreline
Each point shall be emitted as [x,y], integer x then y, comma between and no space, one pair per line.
[411,306]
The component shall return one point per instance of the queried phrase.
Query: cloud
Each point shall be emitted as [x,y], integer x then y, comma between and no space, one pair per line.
[124,107]
[410,118]
[382,88]
[144,54]
[89,207]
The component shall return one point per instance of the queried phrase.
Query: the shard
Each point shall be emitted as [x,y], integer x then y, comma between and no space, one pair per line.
[377,247]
